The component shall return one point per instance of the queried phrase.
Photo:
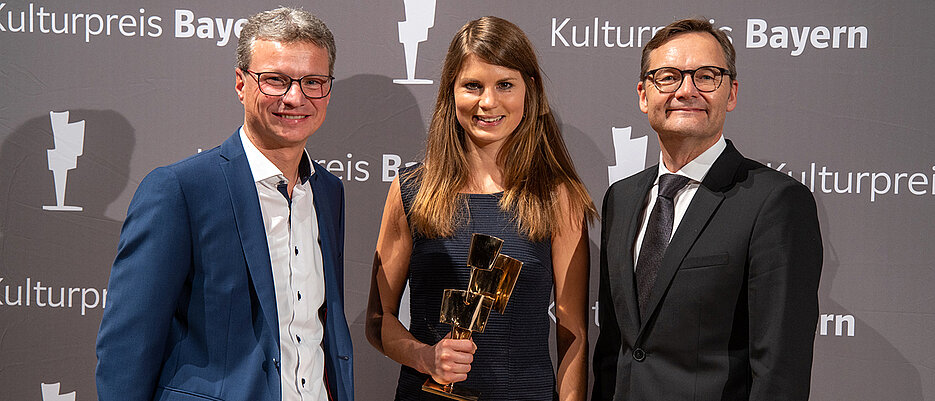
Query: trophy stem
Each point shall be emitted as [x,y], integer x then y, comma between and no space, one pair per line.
[459,333]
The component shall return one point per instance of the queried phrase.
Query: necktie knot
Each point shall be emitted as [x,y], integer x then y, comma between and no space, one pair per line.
[670,184]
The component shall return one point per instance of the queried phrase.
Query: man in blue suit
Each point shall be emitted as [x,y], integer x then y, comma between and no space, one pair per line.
[228,282]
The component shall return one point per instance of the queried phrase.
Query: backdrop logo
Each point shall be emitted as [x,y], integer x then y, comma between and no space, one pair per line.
[610,34]
[870,184]
[49,296]
[629,154]
[69,144]
[420,16]
[837,325]
[50,392]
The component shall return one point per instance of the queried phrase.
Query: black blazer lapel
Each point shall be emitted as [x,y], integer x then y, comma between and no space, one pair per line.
[630,204]
[706,201]
[246,207]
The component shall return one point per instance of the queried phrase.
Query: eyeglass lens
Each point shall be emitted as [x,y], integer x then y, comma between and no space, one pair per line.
[276,84]
[706,79]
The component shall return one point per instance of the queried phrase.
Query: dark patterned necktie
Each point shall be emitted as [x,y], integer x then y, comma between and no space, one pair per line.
[656,238]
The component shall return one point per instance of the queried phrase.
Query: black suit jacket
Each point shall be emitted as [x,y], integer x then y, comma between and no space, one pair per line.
[733,312]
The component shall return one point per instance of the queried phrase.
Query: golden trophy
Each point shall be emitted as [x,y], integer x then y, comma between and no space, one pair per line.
[493,276]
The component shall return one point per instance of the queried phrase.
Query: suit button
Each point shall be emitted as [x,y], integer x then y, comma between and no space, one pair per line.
[639,355]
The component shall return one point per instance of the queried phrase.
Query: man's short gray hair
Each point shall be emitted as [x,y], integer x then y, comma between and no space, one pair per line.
[285,25]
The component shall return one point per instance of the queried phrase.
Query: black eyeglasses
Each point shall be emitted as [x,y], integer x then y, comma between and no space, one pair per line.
[669,79]
[278,84]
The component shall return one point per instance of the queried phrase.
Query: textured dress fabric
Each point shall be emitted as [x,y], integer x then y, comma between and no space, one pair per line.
[512,360]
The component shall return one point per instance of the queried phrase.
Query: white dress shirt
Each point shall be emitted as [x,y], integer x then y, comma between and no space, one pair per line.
[298,276]
[696,171]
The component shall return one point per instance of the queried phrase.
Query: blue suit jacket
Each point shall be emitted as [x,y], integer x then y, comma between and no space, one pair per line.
[191,313]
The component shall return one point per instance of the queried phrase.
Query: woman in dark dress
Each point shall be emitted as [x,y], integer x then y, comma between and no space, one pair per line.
[495,164]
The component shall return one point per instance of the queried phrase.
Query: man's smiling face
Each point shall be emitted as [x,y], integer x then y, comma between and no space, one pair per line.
[688,112]
[273,122]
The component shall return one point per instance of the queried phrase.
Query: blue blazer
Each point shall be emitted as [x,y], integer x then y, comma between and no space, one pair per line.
[191,310]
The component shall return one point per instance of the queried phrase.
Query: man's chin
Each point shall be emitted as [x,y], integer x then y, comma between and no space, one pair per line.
[685,132]
[294,137]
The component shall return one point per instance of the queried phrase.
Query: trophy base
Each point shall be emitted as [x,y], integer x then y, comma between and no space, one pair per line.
[414,81]
[455,393]
[63,208]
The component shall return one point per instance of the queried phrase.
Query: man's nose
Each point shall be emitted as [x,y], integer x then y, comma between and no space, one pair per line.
[687,89]
[294,94]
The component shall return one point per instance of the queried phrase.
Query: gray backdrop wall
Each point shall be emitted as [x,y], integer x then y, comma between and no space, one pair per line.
[835,93]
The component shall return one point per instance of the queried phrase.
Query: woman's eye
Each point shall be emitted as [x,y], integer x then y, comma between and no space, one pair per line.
[505,85]
[472,86]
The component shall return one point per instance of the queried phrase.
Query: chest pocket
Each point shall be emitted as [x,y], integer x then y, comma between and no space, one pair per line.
[697,262]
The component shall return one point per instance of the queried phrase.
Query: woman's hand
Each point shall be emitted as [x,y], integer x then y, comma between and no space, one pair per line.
[449,360]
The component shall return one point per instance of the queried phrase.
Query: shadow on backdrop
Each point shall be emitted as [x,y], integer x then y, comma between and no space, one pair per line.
[588,157]
[64,255]
[368,117]
[880,373]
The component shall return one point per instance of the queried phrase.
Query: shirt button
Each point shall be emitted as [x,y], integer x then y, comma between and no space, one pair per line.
[299,295]
[303,382]
[296,250]
[299,339]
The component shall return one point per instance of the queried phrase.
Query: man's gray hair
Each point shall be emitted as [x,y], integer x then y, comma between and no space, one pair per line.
[285,25]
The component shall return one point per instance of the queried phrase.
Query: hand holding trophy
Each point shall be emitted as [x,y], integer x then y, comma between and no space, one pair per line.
[493,276]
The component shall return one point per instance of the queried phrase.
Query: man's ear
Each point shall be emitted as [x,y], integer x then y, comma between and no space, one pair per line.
[732,97]
[239,81]
[641,92]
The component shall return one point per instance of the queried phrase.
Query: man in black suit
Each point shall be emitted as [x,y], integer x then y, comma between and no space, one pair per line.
[709,261]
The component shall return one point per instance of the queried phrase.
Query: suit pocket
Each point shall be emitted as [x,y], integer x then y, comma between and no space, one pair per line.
[696,262]
[166,393]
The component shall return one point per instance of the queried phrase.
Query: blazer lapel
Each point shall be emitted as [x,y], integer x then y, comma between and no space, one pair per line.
[332,253]
[621,255]
[324,212]
[709,196]
[249,220]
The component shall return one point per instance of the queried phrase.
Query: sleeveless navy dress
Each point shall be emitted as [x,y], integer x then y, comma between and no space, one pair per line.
[512,360]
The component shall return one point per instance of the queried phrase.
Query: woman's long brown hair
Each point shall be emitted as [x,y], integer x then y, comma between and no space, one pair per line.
[537,169]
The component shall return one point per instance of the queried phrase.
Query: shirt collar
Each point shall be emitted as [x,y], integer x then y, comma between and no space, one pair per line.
[263,169]
[698,168]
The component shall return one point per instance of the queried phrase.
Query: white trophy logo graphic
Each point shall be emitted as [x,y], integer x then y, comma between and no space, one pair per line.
[420,16]
[630,155]
[69,144]
[50,392]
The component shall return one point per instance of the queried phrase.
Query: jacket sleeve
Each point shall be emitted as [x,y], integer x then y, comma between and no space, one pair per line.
[607,347]
[153,261]
[784,269]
